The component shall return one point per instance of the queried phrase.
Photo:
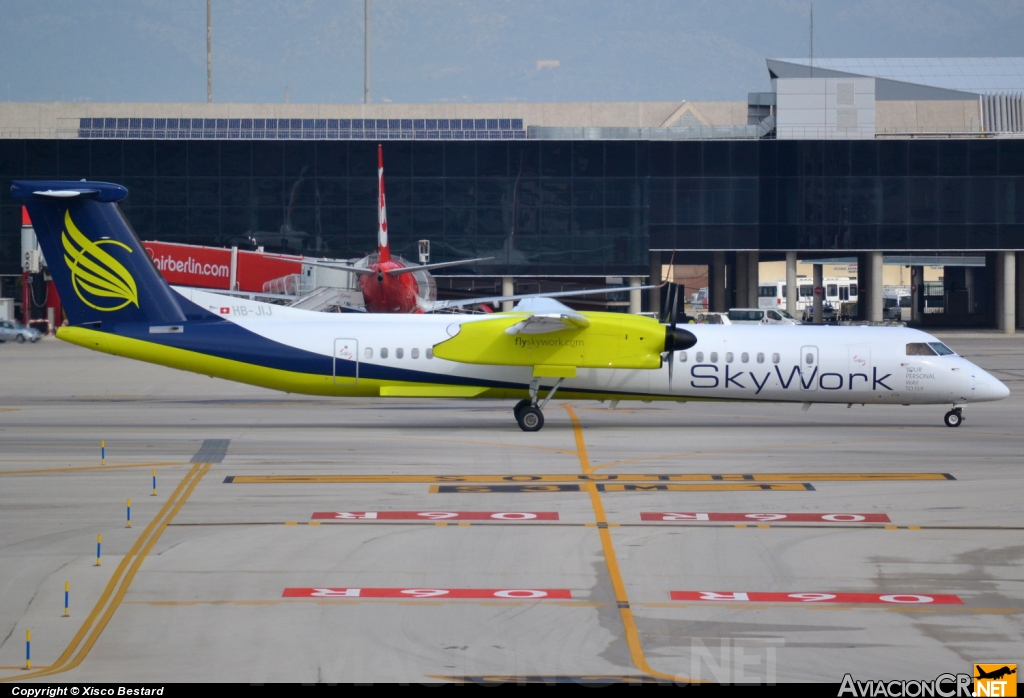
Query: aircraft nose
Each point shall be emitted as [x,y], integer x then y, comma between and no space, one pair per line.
[987,388]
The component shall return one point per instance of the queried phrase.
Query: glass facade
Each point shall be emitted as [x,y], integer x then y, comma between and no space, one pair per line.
[543,207]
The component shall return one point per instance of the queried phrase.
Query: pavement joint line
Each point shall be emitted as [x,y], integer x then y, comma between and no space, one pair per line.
[589,476]
[117,587]
[757,449]
[633,640]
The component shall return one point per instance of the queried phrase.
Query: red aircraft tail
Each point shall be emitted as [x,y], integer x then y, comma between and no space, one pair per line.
[384,251]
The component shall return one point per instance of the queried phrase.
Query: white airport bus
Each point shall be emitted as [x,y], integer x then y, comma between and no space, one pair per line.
[772,294]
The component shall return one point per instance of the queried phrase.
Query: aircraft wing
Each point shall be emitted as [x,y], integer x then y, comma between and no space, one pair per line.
[241,294]
[487,300]
[340,267]
[549,322]
[438,265]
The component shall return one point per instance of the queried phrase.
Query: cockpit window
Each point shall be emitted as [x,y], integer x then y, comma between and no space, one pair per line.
[941,349]
[919,349]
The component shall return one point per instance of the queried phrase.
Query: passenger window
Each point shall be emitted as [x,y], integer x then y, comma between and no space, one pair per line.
[714,357]
[368,352]
[744,357]
[941,349]
[775,358]
[760,358]
[700,357]
[728,357]
[383,352]
[415,353]
[430,353]
[919,349]
[682,357]
[774,315]
[399,353]
[832,290]
[853,290]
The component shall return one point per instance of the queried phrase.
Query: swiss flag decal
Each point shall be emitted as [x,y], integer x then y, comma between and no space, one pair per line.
[225,311]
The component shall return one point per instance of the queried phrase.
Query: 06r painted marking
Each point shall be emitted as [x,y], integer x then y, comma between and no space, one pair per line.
[400,593]
[691,516]
[438,515]
[816,597]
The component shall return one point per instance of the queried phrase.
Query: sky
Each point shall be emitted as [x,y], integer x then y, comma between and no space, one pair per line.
[464,50]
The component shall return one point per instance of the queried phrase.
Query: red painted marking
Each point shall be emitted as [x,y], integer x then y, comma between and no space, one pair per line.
[777,597]
[760,518]
[399,593]
[439,515]
[225,311]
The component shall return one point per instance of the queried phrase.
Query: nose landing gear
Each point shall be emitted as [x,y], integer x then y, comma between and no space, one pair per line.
[955,417]
[528,413]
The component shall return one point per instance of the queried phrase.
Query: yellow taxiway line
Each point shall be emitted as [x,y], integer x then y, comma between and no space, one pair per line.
[79,468]
[117,587]
[636,650]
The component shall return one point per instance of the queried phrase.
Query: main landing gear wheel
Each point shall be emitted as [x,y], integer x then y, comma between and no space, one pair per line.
[954,418]
[530,418]
[519,407]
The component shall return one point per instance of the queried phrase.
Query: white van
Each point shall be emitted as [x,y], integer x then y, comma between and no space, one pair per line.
[761,316]
[772,294]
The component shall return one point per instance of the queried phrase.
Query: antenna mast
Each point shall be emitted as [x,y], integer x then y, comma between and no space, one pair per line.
[812,39]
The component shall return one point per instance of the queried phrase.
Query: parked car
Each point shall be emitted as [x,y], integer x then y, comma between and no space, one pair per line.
[14,331]
[712,319]
[761,316]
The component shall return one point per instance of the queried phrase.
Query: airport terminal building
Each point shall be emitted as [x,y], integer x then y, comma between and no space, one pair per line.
[900,161]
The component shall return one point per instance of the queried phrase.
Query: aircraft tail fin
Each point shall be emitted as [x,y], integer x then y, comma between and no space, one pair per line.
[383,251]
[101,269]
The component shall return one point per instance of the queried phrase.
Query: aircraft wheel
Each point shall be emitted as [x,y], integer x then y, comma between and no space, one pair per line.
[522,404]
[530,419]
[953,418]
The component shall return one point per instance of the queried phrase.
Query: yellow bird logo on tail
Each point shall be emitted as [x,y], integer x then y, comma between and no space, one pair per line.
[95,274]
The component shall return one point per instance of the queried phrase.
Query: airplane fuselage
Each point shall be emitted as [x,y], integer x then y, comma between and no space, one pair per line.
[382,355]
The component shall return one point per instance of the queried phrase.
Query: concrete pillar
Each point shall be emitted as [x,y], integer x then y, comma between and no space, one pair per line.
[875,285]
[717,303]
[741,279]
[819,294]
[634,295]
[753,279]
[507,289]
[1019,282]
[1006,272]
[654,294]
[916,295]
[791,289]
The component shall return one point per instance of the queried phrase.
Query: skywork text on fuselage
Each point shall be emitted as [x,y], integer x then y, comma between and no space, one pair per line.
[711,376]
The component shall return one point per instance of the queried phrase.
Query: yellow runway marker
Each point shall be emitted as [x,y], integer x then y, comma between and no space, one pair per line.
[117,587]
[88,467]
[636,650]
[586,477]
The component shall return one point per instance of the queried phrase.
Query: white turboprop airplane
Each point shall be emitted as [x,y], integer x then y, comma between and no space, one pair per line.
[117,303]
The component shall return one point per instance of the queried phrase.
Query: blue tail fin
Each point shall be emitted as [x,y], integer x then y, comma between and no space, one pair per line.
[101,270]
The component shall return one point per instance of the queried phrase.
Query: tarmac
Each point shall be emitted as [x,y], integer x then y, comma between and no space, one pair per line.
[299,539]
